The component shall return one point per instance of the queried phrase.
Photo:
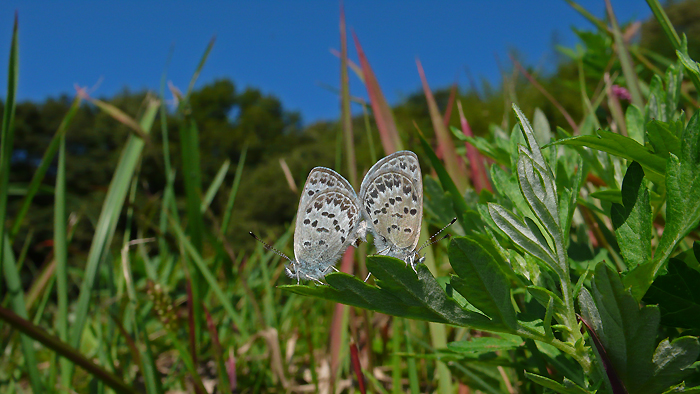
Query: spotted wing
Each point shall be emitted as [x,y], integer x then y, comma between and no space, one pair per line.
[392,198]
[328,218]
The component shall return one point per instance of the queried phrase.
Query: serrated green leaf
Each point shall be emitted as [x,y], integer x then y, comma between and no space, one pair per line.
[682,208]
[481,280]
[539,191]
[632,219]
[399,292]
[678,295]
[530,138]
[628,335]
[522,235]
[663,139]
[683,190]
[621,146]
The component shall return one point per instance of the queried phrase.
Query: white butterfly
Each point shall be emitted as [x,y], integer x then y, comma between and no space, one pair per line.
[328,221]
[392,198]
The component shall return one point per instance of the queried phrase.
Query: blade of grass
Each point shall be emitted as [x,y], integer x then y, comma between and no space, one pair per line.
[357,367]
[46,161]
[107,222]
[389,135]
[210,278]
[12,277]
[450,103]
[232,195]
[198,70]
[64,349]
[368,129]
[411,361]
[215,185]
[345,114]
[480,179]
[223,384]
[396,386]
[169,173]
[460,206]
[445,144]
[625,60]
[591,18]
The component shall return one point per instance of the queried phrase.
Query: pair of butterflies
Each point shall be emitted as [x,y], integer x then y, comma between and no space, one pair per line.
[331,216]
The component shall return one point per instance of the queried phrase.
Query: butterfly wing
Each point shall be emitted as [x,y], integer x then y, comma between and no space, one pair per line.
[328,219]
[392,198]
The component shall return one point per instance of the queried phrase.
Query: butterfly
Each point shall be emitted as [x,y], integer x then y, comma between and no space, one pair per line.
[392,198]
[328,221]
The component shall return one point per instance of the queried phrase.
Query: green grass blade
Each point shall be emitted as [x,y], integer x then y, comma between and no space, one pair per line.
[232,195]
[46,161]
[625,59]
[107,222]
[198,70]
[460,206]
[210,278]
[346,115]
[12,278]
[8,132]
[215,185]
[14,289]
[60,251]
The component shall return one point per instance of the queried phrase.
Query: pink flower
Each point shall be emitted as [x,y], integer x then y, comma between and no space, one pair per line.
[621,93]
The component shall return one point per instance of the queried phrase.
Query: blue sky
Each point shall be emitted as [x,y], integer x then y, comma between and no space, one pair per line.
[281,47]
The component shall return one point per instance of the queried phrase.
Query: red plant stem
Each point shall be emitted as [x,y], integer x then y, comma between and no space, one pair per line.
[355,358]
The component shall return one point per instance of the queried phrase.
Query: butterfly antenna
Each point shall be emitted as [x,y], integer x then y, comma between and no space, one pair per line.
[428,242]
[270,248]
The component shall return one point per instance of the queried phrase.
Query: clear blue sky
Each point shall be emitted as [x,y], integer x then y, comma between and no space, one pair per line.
[281,47]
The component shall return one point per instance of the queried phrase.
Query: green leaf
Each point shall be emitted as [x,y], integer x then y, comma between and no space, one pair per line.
[663,139]
[632,219]
[537,185]
[480,280]
[568,387]
[529,134]
[634,118]
[621,146]
[544,297]
[682,208]
[678,295]
[107,222]
[541,128]
[523,235]
[399,293]
[481,345]
[628,334]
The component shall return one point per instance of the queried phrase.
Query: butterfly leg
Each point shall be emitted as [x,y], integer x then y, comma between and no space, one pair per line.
[367,278]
